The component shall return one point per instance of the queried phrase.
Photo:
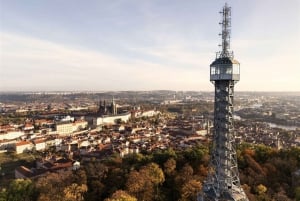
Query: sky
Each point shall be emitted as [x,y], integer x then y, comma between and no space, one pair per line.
[104,45]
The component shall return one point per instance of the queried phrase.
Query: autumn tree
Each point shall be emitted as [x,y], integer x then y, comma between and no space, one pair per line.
[187,184]
[144,183]
[121,195]
[202,171]
[136,185]
[185,174]
[261,193]
[79,177]
[190,189]
[154,173]
[51,187]
[74,192]
[261,189]
[170,166]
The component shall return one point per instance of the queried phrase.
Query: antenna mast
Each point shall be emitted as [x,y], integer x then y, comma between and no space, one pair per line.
[226,25]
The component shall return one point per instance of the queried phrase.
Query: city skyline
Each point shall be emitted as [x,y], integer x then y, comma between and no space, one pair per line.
[144,45]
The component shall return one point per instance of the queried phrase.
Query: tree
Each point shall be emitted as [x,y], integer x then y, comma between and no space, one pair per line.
[183,183]
[96,170]
[281,196]
[297,193]
[261,189]
[115,180]
[169,166]
[261,193]
[190,189]
[95,190]
[262,153]
[79,177]
[136,184]
[196,155]
[145,182]
[75,192]
[254,165]
[51,187]
[160,157]
[21,190]
[154,173]
[3,195]
[185,174]
[121,195]
[247,190]
[202,171]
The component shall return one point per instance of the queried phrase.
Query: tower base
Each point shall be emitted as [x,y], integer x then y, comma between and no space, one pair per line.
[234,194]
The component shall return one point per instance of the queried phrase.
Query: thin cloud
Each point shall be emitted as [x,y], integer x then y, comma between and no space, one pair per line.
[28,62]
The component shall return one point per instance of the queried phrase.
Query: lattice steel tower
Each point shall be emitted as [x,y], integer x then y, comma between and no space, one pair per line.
[223,183]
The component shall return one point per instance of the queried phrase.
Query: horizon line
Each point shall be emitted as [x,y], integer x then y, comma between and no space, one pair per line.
[151,90]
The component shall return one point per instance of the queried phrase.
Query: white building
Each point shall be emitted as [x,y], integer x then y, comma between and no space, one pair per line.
[40,144]
[111,119]
[64,128]
[149,113]
[23,146]
[9,135]
[68,128]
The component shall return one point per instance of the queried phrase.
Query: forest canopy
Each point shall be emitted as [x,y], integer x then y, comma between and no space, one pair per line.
[265,173]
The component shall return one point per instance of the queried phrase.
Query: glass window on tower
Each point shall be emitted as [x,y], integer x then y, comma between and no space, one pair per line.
[236,68]
[229,70]
[213,70]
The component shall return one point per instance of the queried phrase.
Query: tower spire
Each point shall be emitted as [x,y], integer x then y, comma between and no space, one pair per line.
[225,34]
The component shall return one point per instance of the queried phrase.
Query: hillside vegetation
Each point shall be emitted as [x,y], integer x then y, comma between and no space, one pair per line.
[266,174]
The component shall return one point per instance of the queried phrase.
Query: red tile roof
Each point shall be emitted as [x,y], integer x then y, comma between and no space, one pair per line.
[21,143]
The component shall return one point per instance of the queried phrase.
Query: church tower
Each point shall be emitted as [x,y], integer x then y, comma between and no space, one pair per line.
[113,107]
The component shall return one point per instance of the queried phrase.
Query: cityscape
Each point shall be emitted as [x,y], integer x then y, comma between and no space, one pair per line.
[83,126]
[120,101]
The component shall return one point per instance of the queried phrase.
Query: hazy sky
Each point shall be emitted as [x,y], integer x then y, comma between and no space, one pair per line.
[145,44]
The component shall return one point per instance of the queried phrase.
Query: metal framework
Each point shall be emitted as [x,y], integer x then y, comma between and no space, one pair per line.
[226,25]
[223,183]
